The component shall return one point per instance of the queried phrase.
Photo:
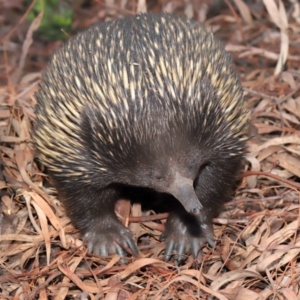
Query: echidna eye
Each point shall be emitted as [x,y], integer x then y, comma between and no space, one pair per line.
[158,178]
[204,166]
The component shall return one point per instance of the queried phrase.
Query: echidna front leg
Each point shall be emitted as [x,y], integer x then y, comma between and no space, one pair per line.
[92,212]
[185,234]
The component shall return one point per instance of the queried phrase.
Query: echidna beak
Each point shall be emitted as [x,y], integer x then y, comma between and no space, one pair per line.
[182,189]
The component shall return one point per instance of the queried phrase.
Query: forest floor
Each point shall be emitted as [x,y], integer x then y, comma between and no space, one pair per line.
[257,252]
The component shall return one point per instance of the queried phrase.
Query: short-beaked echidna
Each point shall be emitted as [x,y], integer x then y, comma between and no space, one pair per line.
[139,106]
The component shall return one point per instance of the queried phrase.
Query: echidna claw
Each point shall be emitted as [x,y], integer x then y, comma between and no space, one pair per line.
[182,238]
[106,241]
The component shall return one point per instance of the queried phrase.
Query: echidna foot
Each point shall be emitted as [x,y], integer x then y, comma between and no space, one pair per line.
[185,234]
[113,238]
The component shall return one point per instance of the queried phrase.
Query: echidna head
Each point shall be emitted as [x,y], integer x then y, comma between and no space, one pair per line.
[170,174]
[164,157]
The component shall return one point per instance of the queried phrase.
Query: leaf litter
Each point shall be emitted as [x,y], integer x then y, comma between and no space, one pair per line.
[257,252]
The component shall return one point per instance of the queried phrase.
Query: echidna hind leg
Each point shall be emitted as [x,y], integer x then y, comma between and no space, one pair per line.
[92,212]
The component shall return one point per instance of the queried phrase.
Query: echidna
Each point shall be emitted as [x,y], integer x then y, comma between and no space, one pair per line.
[147,104]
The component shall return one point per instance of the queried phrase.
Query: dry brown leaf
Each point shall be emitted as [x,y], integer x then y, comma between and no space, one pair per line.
[50,215]
[290,255]
[26,45]
[69,273]
[293,106]
[63,291]
[44,228]
[26,256]
[232,276]
[289,79]
[141,6]
[292,139]
[255,166]
[269,261]
[279,17]
[244,11]
[240,293]
[289,294]
[270,241]
[252,226]
[195,283]
[287,162]
[42,293]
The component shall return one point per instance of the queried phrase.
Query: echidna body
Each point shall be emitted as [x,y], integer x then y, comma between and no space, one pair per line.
[145,105]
